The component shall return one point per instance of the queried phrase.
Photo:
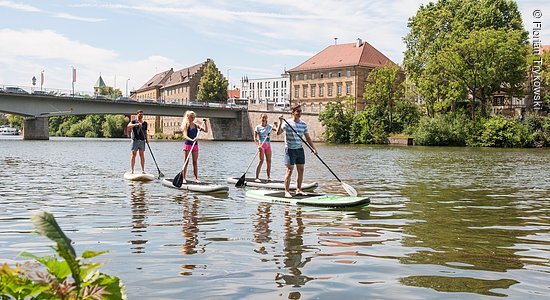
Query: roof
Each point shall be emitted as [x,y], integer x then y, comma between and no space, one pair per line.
[99,82]
[183,75]
[544,48]
[345,55]
[157,80]
[236,93]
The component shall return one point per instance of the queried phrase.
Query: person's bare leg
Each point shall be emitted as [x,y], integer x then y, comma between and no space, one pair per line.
[132,160]
[268,164]
[195,164]
[259,166]
[184,172]
[288,176]
[299,178]
[142,160]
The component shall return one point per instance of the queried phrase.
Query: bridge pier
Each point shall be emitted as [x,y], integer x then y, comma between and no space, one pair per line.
[36,129]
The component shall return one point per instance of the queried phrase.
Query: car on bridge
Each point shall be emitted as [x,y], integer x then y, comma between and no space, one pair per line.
[125,99]
[15,90]
[41,93]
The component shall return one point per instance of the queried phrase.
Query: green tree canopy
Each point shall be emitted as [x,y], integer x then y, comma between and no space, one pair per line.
[454,46]
[213,86]
[337,117]
[110,92]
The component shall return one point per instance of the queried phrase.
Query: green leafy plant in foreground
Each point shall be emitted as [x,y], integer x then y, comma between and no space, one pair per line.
[28,281]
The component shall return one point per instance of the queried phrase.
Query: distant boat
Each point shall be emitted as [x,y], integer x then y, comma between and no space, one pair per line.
[7,130]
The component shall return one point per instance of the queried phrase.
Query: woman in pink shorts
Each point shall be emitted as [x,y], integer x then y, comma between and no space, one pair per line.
[262,140]
[190,129]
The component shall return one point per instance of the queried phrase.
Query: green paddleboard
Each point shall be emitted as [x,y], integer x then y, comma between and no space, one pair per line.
[311,199]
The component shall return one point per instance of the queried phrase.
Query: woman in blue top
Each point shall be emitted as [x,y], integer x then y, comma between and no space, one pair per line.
[190,130]
[262,140]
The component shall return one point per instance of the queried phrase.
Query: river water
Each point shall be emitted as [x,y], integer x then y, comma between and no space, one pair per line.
[444,223]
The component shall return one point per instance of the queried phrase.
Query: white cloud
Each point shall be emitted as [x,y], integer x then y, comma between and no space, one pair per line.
[30,51]
[77,18]
[19,6]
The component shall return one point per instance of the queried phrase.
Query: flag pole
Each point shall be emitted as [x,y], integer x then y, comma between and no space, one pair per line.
[74,78]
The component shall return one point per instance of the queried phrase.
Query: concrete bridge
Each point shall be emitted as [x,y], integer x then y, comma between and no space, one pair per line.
[37,109]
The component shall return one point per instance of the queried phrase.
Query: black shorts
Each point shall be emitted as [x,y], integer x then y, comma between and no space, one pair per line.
[294,157]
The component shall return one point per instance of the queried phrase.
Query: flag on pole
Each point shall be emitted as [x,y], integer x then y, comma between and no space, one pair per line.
[74,75]
[41,79]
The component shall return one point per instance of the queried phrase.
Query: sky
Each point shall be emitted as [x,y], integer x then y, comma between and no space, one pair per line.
[128,41]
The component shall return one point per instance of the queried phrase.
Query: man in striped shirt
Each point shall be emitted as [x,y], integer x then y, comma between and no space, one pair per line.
[294,152]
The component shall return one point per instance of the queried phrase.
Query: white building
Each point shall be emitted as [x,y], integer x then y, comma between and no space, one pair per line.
[273,90]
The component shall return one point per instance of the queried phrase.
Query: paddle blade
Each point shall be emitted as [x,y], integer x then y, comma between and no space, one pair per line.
[240,182]
[160,174]
[349,189]
[178,180]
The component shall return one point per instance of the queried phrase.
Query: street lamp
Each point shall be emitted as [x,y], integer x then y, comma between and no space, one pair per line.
[127,87]
[228,82]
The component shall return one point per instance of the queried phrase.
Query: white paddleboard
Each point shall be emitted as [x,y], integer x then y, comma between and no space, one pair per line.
[138,176]
[201,187]
[311,199]
[273,184]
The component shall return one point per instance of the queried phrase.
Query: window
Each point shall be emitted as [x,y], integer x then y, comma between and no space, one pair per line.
[329,74]
[348,88]
[330,90]
[296,92]
[312,75]
[339,73]
[297,77]
[321,90]
[305,76]
[312,92]
[339,89]
[305,91]
[348,72]
[321,76]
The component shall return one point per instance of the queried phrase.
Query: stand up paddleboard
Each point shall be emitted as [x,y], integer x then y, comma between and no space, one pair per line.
[201,187]
[310,199]
[139,176]
[273,184]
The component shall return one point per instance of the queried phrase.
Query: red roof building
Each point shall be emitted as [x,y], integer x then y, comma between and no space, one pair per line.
[337,71]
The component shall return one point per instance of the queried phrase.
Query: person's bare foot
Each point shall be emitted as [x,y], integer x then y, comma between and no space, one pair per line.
[288,194]
[300,193]
[257,180]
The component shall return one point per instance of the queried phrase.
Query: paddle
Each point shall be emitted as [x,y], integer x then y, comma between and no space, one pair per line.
[178,179]
[240,182]
[148,146]
[349,189]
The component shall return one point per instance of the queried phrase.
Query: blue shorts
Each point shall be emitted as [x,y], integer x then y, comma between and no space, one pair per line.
[294,157]
[138,145]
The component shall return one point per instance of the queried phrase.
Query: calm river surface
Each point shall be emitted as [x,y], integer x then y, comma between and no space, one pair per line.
[444,223]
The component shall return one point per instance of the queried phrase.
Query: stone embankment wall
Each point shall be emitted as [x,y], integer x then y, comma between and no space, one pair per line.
[242,129]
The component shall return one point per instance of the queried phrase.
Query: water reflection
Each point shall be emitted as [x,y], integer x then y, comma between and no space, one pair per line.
[447,228]
[460,284]
[293,250]
[262,232]
[139,214]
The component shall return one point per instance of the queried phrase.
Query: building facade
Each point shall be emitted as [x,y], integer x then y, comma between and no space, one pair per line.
[181,87]
[336,71]
[172,87]
[266,90]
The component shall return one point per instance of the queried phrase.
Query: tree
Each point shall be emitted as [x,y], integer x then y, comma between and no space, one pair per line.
[384,89]
[110,92]
[449,27]
[213,86]
[337,118]
[485,62]
[16,121]
[113,126]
